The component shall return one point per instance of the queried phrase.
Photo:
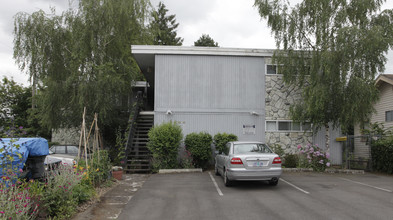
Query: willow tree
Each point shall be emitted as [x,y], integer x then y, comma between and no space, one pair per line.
[332,49]
[82,57]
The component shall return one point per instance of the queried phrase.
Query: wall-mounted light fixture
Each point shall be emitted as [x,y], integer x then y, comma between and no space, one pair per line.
[254,113]
[169,112]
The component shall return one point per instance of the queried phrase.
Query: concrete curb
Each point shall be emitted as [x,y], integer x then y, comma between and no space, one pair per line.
[166,171]
[326,171]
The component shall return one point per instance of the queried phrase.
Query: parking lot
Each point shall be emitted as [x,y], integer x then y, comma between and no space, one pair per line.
[297,196]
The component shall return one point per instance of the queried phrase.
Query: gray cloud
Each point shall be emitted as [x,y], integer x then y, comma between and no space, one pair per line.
[231,23]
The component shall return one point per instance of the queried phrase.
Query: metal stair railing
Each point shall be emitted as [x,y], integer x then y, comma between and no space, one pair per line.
[131,125]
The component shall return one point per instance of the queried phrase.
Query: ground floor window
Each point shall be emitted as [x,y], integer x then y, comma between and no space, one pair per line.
[287,125]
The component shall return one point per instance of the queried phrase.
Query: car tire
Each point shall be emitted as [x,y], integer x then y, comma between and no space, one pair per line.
[227,182]
[273,182]
[216,171]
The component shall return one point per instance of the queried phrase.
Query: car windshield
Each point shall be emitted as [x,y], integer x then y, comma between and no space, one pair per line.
[251,148]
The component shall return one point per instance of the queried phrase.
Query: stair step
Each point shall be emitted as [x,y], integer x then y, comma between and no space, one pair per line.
[138,160]
[137,170]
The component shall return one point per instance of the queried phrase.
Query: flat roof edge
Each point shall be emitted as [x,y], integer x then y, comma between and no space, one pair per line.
[213,51]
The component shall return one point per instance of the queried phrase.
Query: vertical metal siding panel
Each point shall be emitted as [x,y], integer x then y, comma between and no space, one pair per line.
[335,147]
[211,93]
[209,82]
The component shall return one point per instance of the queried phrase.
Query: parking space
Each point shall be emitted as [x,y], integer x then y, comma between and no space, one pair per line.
[297,196]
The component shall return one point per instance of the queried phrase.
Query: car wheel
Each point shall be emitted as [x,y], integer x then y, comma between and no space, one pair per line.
[227,182]
[273,182]
[216,170]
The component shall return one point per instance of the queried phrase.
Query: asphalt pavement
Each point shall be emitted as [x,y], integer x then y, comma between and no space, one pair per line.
[297,196]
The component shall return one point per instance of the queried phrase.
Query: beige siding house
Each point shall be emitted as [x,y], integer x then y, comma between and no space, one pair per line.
[383,114]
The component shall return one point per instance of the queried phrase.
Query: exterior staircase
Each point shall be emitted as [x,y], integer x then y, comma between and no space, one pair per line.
[139,157]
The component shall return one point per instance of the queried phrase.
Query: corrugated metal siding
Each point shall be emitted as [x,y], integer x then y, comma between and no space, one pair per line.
[216,123]
[336,148]
[211,93]
[211,83]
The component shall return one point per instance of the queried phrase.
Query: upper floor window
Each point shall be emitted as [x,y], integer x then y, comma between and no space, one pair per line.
[271,69]
[389,116]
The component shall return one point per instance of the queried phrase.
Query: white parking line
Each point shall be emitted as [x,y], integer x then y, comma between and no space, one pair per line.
[364,184]
[298,188]
[215,184]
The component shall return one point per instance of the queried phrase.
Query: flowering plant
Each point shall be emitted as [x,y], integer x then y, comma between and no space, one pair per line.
[313,156]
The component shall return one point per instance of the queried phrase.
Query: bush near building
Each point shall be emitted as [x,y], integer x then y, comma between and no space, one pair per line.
[381,153]
[221,139]
[164,143]
[199,145]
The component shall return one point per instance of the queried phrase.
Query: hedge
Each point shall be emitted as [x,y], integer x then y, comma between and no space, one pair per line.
[221,139]
[382,155]
[164,143]
[199,145]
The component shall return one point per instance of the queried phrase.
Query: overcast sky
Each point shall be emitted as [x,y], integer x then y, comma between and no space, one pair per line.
[231,23]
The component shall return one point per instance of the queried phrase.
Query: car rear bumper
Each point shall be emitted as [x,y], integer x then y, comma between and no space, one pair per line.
[243,174]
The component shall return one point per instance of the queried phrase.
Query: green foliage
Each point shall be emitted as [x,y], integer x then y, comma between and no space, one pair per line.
[117,153]
[82,58]
[98,169]
[186,161]
[381,153]
[291,161]
[199,145]
[57,198]
[221,139]
[332,50]
[164,143]
[163,27]
[205,41]
[277,149]
[377,128]
[17,118]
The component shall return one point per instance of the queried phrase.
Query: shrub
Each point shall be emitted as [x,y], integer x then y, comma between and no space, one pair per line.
[312,156]
[98,170]
[381,153]
[277,149]
[16,201]
[221,139]
[199,145]
[164,143]
[57,197]
[291,161]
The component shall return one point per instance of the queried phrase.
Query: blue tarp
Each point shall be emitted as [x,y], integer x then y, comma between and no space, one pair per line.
[20,149]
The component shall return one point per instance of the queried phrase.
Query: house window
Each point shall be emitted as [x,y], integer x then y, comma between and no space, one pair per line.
[306,126]
[284,125]
[295,126]
[271,126]
[389,116]
[277,125]
[271,69]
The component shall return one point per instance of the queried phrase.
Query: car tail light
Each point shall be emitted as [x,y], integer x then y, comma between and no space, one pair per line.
[277,160]
[236,160]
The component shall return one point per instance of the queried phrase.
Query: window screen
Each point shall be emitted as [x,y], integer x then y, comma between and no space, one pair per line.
[284,125]
[271,126]
[389,116]
[271,69]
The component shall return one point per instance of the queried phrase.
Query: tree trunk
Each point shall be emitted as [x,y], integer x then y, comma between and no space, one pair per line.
[327,138]
[33,91]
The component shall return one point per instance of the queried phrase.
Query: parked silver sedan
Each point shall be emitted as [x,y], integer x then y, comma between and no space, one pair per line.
[248,161]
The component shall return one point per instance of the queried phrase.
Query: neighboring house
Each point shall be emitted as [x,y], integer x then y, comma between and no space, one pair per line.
[383,114]
[225,90]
